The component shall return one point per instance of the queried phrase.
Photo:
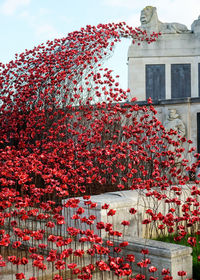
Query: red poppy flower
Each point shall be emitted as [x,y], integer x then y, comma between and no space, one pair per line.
[20,276]
[132,211]
[152,269]
[111,212]
[125,223]
[72,265]
[182,273]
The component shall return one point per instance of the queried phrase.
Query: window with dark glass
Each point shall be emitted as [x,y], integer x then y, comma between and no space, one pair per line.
[199,78]
[155,81]
[198,133]
[180,80]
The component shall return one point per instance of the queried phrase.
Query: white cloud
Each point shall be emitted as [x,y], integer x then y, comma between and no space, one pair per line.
[41,29]
[44,12]
[9,7]
[24,14]
[133,20]
[122,3]
[182,11]
[46,31]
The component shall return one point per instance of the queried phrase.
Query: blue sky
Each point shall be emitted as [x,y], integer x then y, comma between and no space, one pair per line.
[27,23]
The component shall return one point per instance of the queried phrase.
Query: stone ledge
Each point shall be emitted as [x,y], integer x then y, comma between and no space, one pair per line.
[171,101]
[162,255]
[119,199]
[159,248]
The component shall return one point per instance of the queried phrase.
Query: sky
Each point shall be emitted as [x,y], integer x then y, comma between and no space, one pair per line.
[27,23]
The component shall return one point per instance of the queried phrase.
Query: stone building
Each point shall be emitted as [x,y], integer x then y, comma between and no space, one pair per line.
[168,71]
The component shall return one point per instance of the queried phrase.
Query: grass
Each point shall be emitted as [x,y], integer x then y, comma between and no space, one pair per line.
[184,241]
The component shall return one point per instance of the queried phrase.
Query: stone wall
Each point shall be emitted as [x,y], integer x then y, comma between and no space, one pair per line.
[122,201]
[162,255]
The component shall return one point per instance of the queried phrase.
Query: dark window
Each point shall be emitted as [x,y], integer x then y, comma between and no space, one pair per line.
[180,80]
[198,132]
[199,78]
[155,81]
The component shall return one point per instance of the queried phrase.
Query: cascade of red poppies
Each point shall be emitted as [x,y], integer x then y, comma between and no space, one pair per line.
[66,126]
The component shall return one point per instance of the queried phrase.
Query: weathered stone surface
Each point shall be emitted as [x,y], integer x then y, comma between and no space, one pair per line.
[196,26]
[162,255]
[120,201]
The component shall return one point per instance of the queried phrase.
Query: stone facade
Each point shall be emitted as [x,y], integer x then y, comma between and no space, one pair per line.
[168,71]
[168,50]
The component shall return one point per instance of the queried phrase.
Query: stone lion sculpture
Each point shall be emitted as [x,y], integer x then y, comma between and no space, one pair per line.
[150,22]
[196,26]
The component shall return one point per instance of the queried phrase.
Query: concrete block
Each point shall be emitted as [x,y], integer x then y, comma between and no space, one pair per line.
[162,255]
